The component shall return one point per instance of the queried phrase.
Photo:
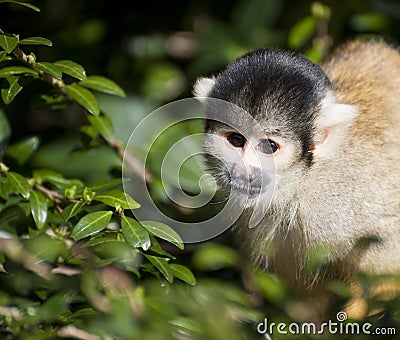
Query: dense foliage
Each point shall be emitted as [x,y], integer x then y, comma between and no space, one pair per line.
[74,261]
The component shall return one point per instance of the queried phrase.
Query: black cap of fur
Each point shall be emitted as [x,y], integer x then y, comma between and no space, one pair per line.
[278,87]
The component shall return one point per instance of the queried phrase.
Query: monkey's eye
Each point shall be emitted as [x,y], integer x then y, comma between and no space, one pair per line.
[236,139]
[268,146]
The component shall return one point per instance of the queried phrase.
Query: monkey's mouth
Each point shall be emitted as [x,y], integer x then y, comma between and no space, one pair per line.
[247,191]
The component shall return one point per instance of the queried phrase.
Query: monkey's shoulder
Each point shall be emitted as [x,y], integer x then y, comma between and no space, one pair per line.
[363,63]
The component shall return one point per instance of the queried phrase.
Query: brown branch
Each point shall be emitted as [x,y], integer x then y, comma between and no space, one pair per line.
[70,331]
[13,249]
[131,161]
[53,195]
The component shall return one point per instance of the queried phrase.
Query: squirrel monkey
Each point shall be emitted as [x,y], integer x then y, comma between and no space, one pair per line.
[332,132]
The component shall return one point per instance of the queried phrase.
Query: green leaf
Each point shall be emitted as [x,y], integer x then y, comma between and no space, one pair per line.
[301,32]
[163,231]
[105,184]
[8,42]
[20,183]
[5,131]
[21,151]
[162,265]
[134,233]
[214,256]
[38,208]
[22,3]
[36,41]
[155,249]
[90,224]
[15,70]
[115,198]
[102,84]
[270,288]
[370,22]
[103,126]
[49,68]
[55,178]
[71,68]
[83,97]
[72,209]
[4,56]
[183,273]
[10,93]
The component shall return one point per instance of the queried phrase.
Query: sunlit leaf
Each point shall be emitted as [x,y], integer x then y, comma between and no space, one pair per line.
[20,184]
[55,178]
[38,208]
[36,41]
[187,324]
[22,3]
[301,32]
[15,70]
[71,68]
[162,265]
[49,68]
[83,97]
[115,198]
[214,256]
[271,288]
[183,273]
[8,42]
[103,84]
[105,184]
[103,125]
[90,224]
[4,56]
[8,94]
[72,209]
[164,232]
[22,150]
[134,233]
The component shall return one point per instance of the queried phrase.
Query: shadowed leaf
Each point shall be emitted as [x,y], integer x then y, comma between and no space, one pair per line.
[36,41]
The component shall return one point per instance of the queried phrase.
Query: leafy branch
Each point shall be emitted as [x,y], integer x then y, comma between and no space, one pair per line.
[52,226]
[77,91]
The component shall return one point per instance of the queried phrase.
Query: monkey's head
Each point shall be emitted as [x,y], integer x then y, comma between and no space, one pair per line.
[283,117]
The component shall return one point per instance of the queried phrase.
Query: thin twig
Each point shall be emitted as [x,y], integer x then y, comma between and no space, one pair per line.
[131,161]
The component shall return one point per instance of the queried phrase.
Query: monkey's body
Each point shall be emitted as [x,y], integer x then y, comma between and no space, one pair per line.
[347,197]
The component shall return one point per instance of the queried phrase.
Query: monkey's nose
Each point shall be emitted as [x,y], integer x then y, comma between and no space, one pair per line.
[253,173]
[249,174]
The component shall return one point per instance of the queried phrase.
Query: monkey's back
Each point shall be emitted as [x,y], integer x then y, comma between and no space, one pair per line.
[367,75]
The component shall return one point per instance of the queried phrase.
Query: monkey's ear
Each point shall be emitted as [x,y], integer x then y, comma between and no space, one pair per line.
[203,87]
[331,125]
